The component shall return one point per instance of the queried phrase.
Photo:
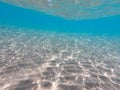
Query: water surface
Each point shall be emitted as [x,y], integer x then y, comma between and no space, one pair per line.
[44,52]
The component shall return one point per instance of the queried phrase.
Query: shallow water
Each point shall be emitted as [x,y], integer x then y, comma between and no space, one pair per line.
[46,60]
[44,52]
[72,9]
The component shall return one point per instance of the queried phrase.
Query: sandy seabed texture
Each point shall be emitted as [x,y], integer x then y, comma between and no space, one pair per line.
[44,60]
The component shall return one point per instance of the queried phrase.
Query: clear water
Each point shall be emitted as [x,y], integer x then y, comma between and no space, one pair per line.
[39,51]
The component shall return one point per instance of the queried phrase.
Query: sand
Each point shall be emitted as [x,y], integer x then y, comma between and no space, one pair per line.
[44,60]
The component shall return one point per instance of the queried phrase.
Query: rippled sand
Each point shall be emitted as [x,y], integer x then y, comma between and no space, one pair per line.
[40,60]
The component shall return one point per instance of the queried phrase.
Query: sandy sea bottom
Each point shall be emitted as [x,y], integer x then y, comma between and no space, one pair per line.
[43,60]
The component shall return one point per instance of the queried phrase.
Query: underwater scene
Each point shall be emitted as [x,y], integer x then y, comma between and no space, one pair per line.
[59,44]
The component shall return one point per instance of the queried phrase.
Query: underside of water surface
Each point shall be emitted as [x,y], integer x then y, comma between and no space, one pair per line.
[59,45]
[45,60]
[71,9]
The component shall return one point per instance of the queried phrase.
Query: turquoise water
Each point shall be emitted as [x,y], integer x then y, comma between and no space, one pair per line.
[12,15]
[39,51]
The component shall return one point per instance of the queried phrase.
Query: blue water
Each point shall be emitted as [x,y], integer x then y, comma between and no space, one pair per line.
[85,55]
[12,15]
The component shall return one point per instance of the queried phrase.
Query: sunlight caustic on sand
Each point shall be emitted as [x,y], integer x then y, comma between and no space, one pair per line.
[45,60]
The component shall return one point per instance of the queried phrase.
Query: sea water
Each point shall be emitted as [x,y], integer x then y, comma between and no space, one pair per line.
[39,51]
